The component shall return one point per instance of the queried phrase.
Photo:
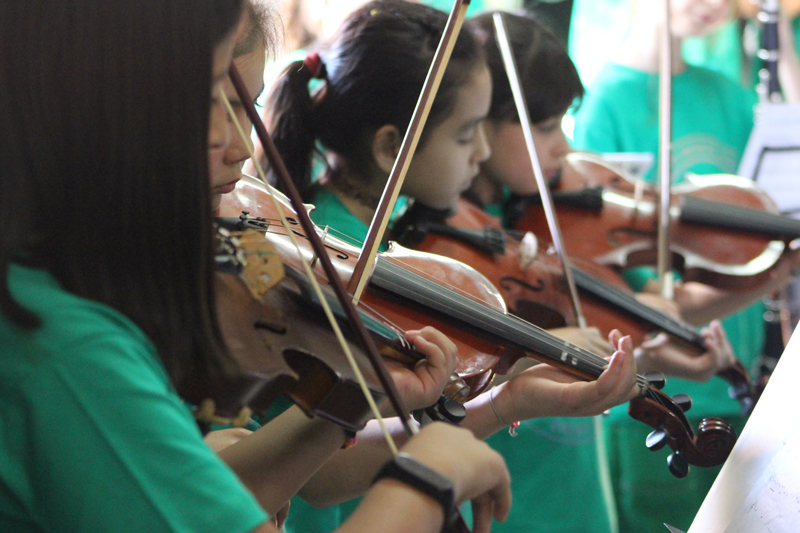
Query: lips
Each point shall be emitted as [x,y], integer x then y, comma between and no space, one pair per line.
[225,189]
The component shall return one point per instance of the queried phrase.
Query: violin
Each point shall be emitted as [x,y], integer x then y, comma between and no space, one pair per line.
[532,282]
[412,289]
[282,341]
[724,231]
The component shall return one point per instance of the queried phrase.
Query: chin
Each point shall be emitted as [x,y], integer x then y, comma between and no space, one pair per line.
[216,200]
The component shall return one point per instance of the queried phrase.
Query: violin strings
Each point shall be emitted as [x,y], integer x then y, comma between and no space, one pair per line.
[627,302]
[487,315]
[312,279]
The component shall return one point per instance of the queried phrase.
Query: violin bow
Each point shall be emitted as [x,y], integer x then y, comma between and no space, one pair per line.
[665,275]
[544,189]
[380,220]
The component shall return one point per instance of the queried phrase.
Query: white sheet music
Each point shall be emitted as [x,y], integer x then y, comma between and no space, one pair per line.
[772,156]
[758,488]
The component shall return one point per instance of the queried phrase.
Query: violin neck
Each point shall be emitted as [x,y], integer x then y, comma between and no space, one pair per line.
[625,302]
[709,212]
[484,320]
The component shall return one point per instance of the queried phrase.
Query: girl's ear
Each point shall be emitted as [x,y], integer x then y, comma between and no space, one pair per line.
[385,146]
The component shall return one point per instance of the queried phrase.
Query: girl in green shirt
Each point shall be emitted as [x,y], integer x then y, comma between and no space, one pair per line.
[551,86]
[107,328]
[371,75]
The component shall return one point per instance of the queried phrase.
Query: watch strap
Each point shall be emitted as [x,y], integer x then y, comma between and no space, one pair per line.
[409,471]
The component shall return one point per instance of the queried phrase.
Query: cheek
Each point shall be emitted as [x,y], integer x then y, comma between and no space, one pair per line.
[520,177]
[214,164]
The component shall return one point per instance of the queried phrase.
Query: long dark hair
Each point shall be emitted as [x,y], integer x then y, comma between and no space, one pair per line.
[549,78]
[105,117]
[373,71]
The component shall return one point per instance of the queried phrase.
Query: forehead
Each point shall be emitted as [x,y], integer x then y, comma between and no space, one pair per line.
[251,67]
[473,98]
[223,54]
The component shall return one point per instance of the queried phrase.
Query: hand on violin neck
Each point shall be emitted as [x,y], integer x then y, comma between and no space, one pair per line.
[422,385]
[699,303]
[543,390]
[664,354]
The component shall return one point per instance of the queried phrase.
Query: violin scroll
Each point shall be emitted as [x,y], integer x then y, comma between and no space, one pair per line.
[710,446]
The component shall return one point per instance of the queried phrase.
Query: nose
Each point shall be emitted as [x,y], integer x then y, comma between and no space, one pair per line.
[218,131]
[482,150]
[238,149]
[561,147]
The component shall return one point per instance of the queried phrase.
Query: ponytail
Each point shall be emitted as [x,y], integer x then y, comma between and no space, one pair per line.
[291,119]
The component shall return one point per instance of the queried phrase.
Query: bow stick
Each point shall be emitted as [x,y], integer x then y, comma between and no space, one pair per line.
[544,189]
[665,275]
[380,220]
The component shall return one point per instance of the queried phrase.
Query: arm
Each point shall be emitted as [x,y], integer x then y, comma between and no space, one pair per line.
[788,61]
[278,459]
[538,391]
[477,472]
[275,461]
[699,303]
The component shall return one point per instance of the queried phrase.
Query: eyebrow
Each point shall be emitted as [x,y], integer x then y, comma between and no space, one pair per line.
[472,123]
[236,102]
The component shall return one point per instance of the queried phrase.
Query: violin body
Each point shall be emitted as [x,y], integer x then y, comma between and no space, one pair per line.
[477,356]
[283,343]
[724,231]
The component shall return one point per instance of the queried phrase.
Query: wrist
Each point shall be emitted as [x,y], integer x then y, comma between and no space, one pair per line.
[405,469]
[501,401]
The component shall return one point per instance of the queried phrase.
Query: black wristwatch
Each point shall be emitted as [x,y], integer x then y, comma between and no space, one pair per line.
[411,472]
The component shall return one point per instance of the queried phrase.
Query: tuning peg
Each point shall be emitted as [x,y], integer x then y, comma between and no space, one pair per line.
[678,466]
[684,401]
[657,439]
[656,379]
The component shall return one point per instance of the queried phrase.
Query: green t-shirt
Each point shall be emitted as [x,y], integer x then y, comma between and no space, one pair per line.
[94,437]
[712,118]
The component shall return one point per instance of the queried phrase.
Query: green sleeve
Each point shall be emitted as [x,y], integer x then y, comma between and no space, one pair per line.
[112,448]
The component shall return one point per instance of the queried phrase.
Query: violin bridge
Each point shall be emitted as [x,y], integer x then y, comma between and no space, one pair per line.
[324,235]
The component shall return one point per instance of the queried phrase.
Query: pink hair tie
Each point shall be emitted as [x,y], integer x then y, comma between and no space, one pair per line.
[314,65]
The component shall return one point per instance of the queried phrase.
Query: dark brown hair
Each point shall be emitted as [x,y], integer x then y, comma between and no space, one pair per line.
[373,71]
[105,113]
[260,30]
[549,78]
